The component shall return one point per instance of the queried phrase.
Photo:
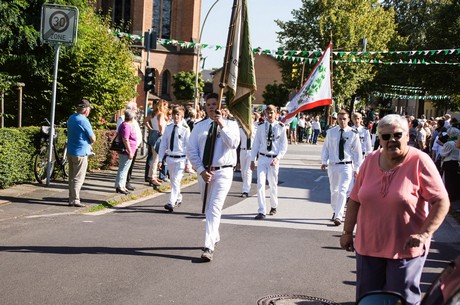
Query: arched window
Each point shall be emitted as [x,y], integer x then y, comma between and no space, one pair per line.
[161,21]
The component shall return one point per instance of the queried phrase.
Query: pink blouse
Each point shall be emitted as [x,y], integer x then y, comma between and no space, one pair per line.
[394,204]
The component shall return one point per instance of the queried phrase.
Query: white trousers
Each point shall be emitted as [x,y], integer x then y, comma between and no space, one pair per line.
[176,167]
[265,171]
[218,189]
[246,172]
[340,177]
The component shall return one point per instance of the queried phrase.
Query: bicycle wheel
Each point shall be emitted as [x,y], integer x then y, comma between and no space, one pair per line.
[41,163]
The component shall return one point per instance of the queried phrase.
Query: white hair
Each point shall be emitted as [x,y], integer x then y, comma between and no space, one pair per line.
[393,120]
[131,105]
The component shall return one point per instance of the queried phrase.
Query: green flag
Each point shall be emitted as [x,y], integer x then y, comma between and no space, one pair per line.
[241,80]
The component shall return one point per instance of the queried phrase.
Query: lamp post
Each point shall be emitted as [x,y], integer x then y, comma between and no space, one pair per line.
[198,53]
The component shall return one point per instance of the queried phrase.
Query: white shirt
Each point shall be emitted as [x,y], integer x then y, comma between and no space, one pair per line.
[181,137]
[365,139]
[244,138]
[278,138]
[352,147]
[227,141]
[316,125]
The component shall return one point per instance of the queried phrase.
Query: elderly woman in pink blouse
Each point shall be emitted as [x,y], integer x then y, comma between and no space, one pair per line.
[127,134]
[389,206]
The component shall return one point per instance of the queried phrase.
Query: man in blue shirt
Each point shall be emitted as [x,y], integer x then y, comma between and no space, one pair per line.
[80,136]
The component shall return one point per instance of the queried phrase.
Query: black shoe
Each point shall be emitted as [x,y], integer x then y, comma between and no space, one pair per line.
[272,211]
[130,187]
[123,191]
[206,256]
[333,217]
[260,216]
[244,195]
[337,222]
[169,207]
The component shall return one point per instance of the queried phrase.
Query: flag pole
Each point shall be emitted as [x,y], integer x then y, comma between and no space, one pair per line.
[329,115]
[222,84]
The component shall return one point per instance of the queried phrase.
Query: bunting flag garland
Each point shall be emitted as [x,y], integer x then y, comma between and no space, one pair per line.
[405,89]
[312,56]
[413,97]
[316,91]
[292,53]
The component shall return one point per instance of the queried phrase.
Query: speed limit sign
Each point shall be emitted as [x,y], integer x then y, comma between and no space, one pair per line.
[59,24]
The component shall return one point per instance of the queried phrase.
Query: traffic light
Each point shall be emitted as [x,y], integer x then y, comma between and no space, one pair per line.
[149,79]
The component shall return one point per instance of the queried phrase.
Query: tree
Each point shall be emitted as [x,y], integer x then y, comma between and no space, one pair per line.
[184,85]
[346,23]
[276,94]
[100,66]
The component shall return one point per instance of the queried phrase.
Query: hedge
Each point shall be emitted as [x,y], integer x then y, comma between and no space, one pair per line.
[18,147]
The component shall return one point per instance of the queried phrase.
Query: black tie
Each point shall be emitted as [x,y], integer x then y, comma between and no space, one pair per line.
[269,138]
[341,145]
[171,141]
[207,146]
[248,143]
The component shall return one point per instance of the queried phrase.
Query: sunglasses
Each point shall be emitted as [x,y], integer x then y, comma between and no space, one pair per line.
[396,136]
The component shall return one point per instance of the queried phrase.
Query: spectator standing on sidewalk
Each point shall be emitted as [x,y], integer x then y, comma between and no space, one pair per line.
[270,144]
[316,125]
[137,129]
[219,176]
[301,124]
[80,136]
[341,156]
[172,147]
[126,134]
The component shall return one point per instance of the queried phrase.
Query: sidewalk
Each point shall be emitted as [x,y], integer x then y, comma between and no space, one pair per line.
[29,200]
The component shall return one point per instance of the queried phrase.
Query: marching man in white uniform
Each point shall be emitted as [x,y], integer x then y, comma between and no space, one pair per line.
[220,174]
[364,134]
[245,159]
[342,157]
[173,144]
[271,145]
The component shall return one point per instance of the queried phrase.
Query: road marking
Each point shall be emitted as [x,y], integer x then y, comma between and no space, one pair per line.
[319,178]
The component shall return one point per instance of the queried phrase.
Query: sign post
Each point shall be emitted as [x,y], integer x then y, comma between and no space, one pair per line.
[59,25]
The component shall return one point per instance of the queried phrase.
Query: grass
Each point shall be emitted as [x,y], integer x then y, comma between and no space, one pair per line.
[189,178]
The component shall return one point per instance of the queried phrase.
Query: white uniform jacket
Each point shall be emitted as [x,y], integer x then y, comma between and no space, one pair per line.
[278,138]
[352,147]
[227,141]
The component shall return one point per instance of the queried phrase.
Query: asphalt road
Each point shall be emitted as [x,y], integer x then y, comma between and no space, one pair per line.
[141,254]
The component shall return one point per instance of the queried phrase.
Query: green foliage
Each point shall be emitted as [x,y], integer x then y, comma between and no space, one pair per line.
[19,146]
[15,157]
[346,23]
[276,94]
[184,85]
[99,68]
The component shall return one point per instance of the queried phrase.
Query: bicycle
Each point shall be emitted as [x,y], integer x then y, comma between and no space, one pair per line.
[41,158]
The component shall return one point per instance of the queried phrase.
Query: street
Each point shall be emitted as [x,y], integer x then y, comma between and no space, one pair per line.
[141,254]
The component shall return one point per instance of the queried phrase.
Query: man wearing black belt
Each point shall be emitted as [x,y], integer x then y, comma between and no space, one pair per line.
[245,158]
[220,175]
[172,144]
[270,144]
[341,156]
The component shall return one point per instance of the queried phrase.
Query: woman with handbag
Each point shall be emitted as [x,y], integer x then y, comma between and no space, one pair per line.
[127,135]
[156,124]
